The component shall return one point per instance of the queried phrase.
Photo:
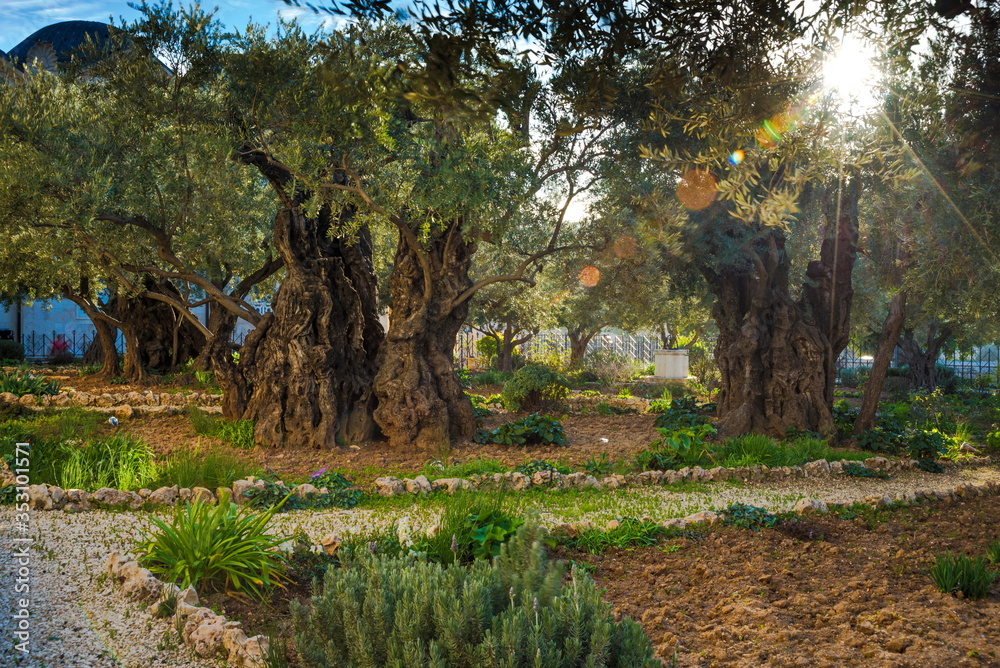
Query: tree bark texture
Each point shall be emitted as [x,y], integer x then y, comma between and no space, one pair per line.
[309,364]
[887,340]
[923,360]
[777,356]
[217,357]
[420,400]
[507,343]
[579,339]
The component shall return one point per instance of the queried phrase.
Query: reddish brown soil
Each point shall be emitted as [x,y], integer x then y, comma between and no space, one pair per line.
[859,597]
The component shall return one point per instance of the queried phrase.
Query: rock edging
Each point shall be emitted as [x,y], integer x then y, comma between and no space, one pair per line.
[210,635]
[519,482]
[124,405]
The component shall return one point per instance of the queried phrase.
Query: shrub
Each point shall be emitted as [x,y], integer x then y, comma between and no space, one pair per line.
[604,408]
[953,573]
[490,378]
[896,389]
[512,611]
[859,471]
[610,368]
[748,517]
[11,350]
[22,382]
[684,412]
[214,547]
[926,444]
[280,497]
[534,429]
[947,379]
[534,386]
[599,465]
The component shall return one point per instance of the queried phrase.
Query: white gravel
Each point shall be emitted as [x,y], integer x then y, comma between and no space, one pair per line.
[80,620]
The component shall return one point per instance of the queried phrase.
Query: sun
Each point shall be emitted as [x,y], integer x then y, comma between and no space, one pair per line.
[850,74]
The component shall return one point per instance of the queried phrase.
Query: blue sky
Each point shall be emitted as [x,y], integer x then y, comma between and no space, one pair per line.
[20,18]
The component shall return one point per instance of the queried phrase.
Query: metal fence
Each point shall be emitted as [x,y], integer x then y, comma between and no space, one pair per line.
[636,348]
[981,362]
[41,345]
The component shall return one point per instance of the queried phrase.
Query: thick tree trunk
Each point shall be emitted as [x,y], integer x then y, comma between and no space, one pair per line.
[217,357]
[923,361]
[103,349]
[887,340]
[506,344]
[309,364]
[420,400]
[579,339]
[777,356]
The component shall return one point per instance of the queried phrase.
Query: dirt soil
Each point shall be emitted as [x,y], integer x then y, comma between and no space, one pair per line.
[625,434]
[854,593]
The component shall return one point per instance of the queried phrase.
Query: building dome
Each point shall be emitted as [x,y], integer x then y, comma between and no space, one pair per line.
[56,44]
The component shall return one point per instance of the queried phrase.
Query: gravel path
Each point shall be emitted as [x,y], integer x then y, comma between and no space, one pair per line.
[79,620]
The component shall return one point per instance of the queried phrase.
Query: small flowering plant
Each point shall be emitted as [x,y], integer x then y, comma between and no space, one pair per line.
[332,481]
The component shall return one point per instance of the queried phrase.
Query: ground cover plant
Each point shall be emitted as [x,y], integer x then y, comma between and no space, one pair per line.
[21,382]
[509,611]
[534,429]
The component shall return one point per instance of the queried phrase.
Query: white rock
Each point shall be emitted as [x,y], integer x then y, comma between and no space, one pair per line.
[387,486]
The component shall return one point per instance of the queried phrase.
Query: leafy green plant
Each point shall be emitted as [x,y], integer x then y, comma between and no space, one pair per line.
[748,517]
[515,610]
[534,429]
[11,350]
[589,393]
[20,383]
[604,408]
[470,526]
[534,386]
[215,547]
[599,465]
[681,446]
[926,444]
[683,412]
[859,471]
[953,573]
[538,465]
[628,534]
[278,497]
[490,377]
[8,495]
[489,531]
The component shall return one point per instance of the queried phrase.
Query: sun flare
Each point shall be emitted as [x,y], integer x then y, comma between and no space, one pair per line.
[850,73]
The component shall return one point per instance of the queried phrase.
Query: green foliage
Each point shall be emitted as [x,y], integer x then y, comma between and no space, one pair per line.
[930,466]
[471,527]
[590,393]
[993,552]
[926,444]
[844,416]
[534,386]
[610,368]
[238,433]
[749,450]
[683,446]
[478,466]
[748,517]
[491,378]
[538,465]
[22,382]
[853,377]
[214,547]
[684,412]
[121,461]
[11,350]
[534,429]
[515,610]
[604,408]
[8,495]
[628,534]
[953,573]
[211,468]
[859,471]
[993,440]
[599,465]
[279,498]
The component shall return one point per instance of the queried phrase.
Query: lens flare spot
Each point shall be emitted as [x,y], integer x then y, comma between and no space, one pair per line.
[590,276]
[737,157]
[625,247]
[697,189]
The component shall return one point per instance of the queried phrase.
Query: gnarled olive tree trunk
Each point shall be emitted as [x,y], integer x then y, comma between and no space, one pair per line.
[420,400]
[310,363]
[777,355]
[579,339]
[922,360]
[887,340]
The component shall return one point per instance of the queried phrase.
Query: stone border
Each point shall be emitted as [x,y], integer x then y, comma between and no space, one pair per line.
[391,486]
[50,497]
[122,405]
[207,633]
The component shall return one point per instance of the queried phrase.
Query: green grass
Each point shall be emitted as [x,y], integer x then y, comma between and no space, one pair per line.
[954,573]
[205,467]
[479,466]
[630,533]
[238,433]
[121,461]
[756,450]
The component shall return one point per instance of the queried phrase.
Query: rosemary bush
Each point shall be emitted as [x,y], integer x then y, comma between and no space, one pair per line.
[513,611]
